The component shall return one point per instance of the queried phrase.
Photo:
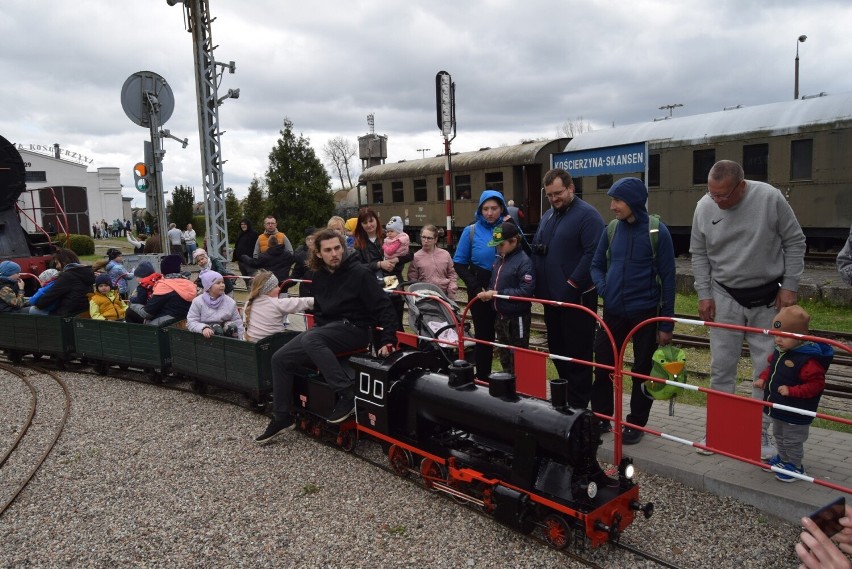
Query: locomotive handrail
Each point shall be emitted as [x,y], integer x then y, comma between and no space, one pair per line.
[616,418]
[58,208]
[618,380]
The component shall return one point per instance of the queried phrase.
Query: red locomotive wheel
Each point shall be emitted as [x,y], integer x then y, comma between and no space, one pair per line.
[556,531]
[347,440]
[430,471]
[400,460]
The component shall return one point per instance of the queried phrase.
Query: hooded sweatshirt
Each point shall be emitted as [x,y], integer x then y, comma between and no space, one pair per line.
[478,253]
[629,284]
[244,245]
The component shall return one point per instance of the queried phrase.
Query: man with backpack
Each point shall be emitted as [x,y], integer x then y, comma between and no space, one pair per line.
[634,271]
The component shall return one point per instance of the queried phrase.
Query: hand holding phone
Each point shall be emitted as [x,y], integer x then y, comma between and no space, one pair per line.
[815,548]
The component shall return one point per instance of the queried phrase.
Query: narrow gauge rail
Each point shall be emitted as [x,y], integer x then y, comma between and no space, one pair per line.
[34,406]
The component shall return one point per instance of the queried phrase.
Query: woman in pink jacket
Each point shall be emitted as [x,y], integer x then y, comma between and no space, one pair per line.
[431,264]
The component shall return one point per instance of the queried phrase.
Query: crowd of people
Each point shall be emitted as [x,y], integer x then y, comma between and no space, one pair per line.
[574,258]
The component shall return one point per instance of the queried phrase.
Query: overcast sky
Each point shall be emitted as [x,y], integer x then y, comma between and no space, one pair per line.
[521,70]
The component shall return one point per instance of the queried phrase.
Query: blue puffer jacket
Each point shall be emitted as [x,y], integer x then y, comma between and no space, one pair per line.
[478,253]
[629,284]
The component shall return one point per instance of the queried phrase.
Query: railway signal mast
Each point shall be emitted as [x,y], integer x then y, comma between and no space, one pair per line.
[208,73]
[445,95]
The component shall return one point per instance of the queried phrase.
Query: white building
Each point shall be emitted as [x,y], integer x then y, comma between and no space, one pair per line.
[86,196]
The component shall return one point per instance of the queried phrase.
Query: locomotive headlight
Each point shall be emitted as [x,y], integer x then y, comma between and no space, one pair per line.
[629,471]
[592,490]
[626,470]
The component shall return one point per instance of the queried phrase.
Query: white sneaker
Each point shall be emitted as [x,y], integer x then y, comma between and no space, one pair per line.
[705,452]
[767,449]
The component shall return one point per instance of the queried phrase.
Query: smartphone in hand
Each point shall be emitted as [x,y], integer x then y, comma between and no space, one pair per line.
[828,517]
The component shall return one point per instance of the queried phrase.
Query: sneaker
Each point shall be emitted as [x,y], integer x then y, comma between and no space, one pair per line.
[790,467]
[345,408]
[774,461]
[705,452]
[275,428]
[767,450]
[631,436]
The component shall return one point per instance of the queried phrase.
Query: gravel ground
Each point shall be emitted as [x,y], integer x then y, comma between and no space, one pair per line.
[149,477]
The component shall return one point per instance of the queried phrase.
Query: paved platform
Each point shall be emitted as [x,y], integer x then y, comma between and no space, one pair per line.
[828,456]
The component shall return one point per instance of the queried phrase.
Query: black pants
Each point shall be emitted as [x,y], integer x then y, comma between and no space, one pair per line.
[483,315]
[644,345]
[317,346]
[571,333]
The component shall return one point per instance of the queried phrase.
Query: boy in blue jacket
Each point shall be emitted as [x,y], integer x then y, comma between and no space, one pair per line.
[511,275]
[795,377]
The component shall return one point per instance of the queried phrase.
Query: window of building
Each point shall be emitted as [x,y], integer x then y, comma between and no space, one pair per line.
[756,162]
[378,194]
[463,188]
[35,176]
[396,192]
[494,181]
[654,171]
[801,159]
[604,181]
[420,190]
[702,161]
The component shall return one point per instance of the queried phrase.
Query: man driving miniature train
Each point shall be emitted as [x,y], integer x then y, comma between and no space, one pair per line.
[348,301]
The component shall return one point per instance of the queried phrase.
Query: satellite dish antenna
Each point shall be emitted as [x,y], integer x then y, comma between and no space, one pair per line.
[145,93]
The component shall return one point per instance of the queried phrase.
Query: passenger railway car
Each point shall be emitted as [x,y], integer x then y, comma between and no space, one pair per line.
[800,147]
[414,189]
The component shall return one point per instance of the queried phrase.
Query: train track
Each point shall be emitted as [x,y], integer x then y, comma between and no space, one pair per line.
[18,470]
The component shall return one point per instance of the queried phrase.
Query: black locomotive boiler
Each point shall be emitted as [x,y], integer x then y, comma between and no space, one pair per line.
[530,463]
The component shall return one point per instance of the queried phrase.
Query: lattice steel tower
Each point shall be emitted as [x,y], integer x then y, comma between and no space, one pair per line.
[207,78]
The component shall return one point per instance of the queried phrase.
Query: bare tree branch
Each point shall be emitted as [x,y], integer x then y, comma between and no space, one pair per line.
[339,152]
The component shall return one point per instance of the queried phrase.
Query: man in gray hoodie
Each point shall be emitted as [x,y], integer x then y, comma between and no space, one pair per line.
[745,242]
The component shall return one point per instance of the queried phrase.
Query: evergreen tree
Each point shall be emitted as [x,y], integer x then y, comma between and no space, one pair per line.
[255,206]
[298,185]
[183,200]
[235,213]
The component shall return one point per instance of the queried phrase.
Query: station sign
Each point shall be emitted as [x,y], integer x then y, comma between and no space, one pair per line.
[622,159]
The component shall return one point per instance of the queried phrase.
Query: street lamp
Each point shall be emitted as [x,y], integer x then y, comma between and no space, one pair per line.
[423,151]
[802,39]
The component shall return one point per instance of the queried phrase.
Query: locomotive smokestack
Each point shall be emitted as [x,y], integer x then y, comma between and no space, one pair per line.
[460,374]
[559,393]
[56,150]
[502,384]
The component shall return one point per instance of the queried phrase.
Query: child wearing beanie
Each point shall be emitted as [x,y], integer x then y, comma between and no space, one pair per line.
[265,313]
[213,312]
[46,278]
[11,288]
[396,241]
[106,303]
[116,271]
[795,377]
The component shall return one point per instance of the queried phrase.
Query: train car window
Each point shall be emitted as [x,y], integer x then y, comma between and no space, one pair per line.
[494,181]
[463,188]
[439,183]
[654,171]
[578,186]
[397,194]
[364,383]
[378,193]
[801,159]
[420,190]
[35,176]
[604,181]
[702,161]
[756,162]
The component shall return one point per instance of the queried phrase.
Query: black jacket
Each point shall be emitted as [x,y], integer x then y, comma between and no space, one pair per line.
[301,271]
[75,282]
[353,293]
[170,304]
[244,245]
[372,254]
[275,259]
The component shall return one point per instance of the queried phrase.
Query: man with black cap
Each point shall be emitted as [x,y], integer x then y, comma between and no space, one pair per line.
[348,301]
[634,271]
